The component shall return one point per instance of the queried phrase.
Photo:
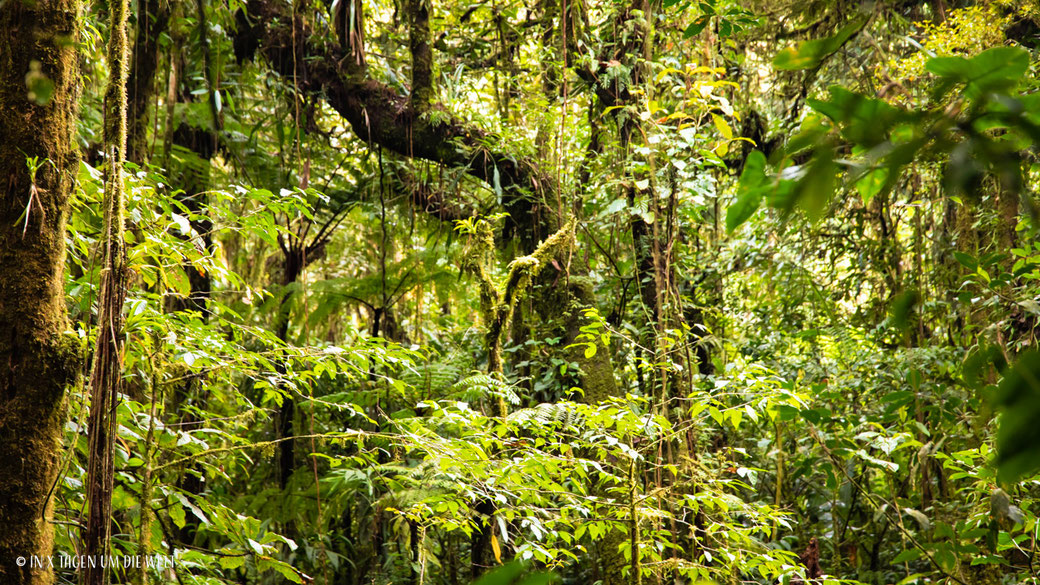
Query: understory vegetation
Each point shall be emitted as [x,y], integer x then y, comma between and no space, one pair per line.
[521,291]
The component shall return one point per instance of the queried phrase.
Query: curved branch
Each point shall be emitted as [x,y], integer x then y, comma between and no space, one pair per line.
[380,115]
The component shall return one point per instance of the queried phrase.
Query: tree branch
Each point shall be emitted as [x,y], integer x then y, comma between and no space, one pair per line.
[381,116]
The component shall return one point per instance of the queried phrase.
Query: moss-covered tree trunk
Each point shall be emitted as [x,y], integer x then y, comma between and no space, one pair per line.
[39,86]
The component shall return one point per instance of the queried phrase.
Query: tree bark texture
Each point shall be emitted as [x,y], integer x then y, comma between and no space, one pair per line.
[152,19]
[39,88]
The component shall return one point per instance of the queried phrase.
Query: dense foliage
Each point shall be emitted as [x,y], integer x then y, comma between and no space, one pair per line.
[604,292]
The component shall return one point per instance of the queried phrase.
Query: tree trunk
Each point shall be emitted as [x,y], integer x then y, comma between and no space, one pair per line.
[189,169]
[422,56]
[293,264]
[39,87]
[152,19]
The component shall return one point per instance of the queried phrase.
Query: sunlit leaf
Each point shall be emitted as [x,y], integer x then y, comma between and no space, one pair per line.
[996,69]
[871,183]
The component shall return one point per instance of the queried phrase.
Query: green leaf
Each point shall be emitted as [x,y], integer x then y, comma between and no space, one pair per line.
[967,260]
[1018,438]
[871,184]
[286,571]
[257,548]
[814,127]
[910,554]
[513,574]
[749,191]
[814,191]
[809,54]
[722,126]
[875,462]
[996,69]
[864,121]
[697,26]
[921,519]
[903,308]
[182,223]
[946,558]
[232,562]
[177,516]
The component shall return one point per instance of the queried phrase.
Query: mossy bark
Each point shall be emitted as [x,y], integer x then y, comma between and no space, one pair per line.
[498,301]
[107,370]
[563,306]
[422,55]
[39,88]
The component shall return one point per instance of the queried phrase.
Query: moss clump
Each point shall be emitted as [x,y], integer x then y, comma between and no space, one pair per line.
[498,301]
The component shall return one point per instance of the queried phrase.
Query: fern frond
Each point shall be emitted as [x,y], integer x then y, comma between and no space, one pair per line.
[548,413]
[479,386]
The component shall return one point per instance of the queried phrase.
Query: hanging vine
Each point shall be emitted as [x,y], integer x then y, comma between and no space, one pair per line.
[107,365]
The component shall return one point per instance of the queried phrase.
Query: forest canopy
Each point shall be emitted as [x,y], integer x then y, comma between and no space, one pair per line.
[613,292]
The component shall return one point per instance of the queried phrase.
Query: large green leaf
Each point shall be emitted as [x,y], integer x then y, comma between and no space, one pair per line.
[997,69]
[515,573]
[1018,439]
[809,54]
[749,191]
[813,190]
[864,121]
[871,183]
